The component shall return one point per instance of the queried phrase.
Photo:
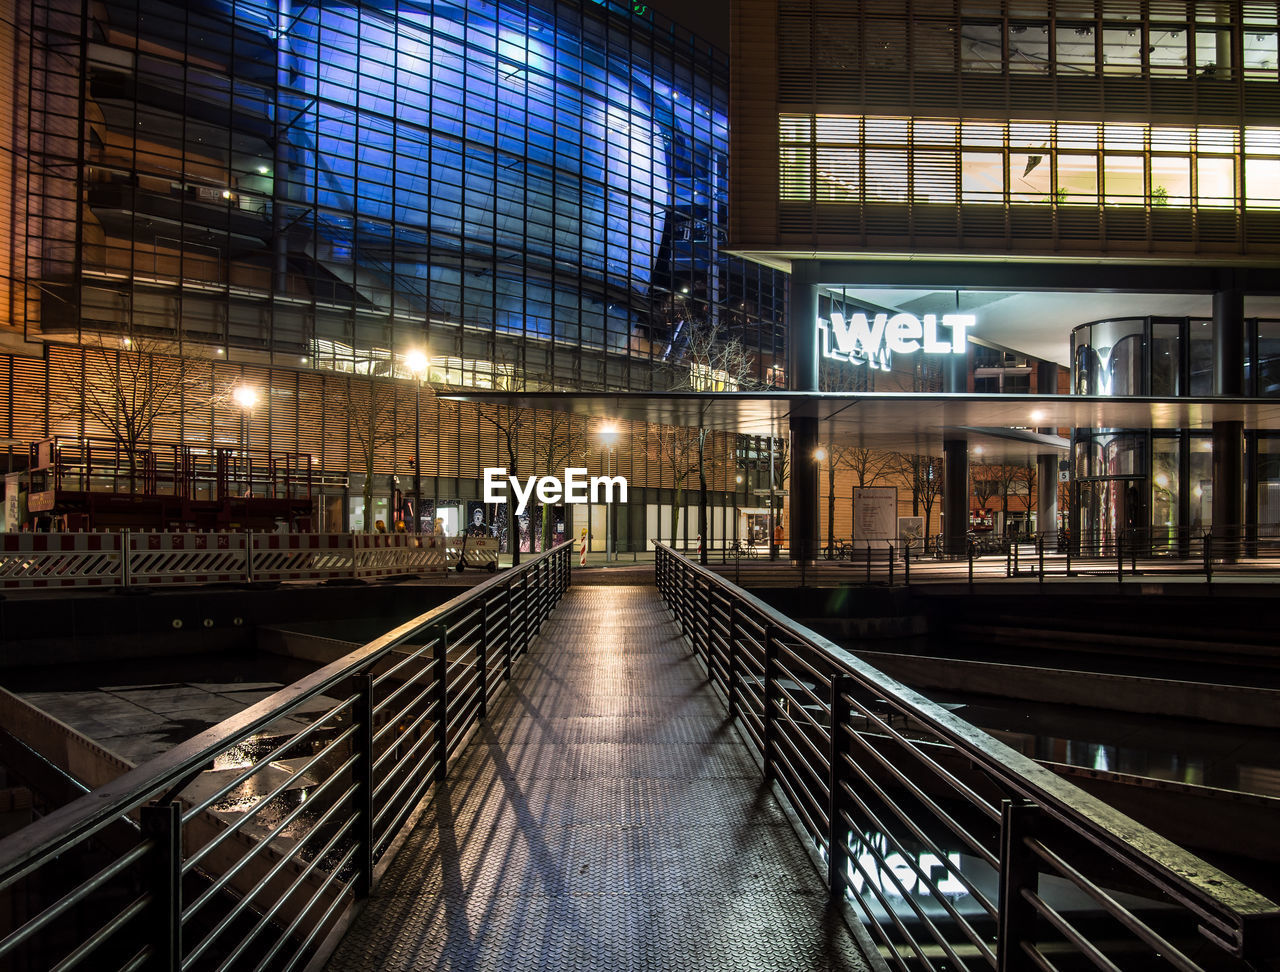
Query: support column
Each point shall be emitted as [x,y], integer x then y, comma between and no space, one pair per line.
[1046,378]
[955,495]
[1228,342]
[802,327]
[1228,437]
[1228,489]
[802,531]
[802,343]
[1047,498]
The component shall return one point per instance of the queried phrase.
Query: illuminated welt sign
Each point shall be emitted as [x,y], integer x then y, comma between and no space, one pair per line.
[872,341]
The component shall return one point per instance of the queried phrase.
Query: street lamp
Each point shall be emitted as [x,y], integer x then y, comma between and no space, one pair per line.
[417,363]
[608,434]
[246,397]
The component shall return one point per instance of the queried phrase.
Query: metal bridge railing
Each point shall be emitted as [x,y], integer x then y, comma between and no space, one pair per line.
[244,846]
[958,852]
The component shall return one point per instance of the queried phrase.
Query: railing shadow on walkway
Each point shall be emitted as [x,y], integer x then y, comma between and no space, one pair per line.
[248,845]
[954,850]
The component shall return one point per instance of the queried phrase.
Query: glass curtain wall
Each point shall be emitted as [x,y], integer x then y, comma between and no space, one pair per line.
[1169,500]
[533,195]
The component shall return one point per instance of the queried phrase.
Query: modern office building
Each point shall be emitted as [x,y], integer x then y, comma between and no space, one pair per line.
[1085,184]
[338,203]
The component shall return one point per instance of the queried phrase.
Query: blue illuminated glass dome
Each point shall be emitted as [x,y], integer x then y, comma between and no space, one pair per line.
[536,192]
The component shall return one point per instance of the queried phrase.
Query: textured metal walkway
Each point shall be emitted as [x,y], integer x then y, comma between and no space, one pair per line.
[607,818]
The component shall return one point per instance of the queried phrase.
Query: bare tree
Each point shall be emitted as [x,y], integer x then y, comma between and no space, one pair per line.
[560,439]
[712,359]
[985,483]
[128,388]
[368,406]
[677,448]
[924,474]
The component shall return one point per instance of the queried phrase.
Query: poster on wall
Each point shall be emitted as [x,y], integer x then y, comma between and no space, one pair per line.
[875,513]
[477,524]
[427,515]
[911,531]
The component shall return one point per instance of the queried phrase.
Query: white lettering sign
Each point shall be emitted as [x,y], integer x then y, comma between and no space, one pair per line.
[872,341]
[574,488]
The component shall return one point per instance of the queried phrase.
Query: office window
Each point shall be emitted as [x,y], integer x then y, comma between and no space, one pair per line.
[1124,180]
[1170,181]
[1122,48]
[1167,49]
[1075,48]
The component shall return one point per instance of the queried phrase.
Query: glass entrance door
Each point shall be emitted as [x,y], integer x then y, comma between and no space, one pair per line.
[1112,508]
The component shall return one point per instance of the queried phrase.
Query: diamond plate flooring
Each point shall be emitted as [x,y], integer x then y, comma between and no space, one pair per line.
[606,818]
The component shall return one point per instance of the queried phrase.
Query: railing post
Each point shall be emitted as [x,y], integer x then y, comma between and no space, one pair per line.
[970,568]
[906,563]
[1040,556]
[1018,873]
[248,556]
[482,658]
[526,637]
[126,571]
[1208,556]
[362,776]
[162,823]
[1119,560]
[841,733]
[509,630]
[770,694]
[890,565]
[732,653]
[441,665]
[868,562]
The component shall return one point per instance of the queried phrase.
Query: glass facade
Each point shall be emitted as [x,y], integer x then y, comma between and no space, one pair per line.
[1167,356]
[1156,487]
[534,194]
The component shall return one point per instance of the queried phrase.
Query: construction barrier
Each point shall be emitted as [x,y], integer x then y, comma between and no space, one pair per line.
[480,553]
[129,559]
[388,554]
[32,560]
[301,556]
[184,558]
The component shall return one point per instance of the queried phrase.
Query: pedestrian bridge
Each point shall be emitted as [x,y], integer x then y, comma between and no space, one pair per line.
[542,776]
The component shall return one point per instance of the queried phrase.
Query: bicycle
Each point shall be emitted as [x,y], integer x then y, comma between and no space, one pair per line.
[739,549]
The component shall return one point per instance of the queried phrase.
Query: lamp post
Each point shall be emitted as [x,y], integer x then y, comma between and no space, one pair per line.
[608,434]
[417,363]
[245,396]
[819,457]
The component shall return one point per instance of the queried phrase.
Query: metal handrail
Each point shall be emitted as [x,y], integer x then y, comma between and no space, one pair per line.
[240,869]
[885,756]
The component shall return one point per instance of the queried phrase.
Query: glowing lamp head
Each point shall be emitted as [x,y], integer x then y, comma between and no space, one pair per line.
[245,396]
[608,433]
[820,455]
[416,362]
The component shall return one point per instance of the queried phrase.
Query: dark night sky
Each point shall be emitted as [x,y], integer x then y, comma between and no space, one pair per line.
[707,18]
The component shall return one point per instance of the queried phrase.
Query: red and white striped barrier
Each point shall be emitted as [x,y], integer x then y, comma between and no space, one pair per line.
[479,552]
[384,555]
[699,546]
[301,556]
[185,558]
[582,554]
[36,560]
[33,560]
